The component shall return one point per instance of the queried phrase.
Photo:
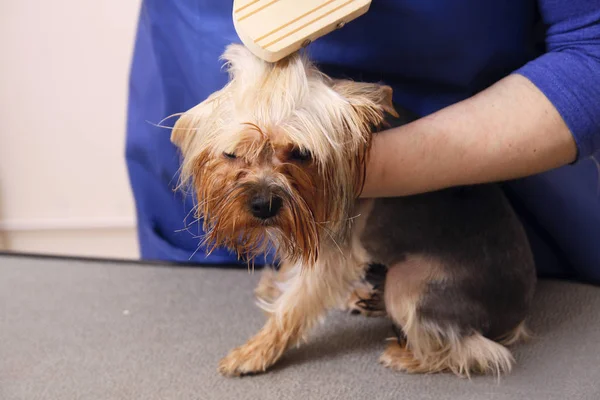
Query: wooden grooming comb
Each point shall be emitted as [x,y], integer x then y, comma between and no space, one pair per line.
[274,29]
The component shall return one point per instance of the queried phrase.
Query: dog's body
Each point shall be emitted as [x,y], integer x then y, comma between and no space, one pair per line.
[278,157]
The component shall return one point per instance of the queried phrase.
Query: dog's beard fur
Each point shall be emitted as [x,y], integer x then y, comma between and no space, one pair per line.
[224,192]
[287,131]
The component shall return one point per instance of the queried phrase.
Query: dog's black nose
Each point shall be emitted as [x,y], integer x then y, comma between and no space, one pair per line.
[264,207]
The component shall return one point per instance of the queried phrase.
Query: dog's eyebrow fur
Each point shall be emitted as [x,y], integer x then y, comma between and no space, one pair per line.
[255,127]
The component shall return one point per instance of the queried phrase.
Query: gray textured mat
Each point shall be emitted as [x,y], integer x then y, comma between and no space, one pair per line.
[81,330]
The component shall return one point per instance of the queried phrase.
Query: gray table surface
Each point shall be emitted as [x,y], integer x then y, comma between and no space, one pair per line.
[96,330]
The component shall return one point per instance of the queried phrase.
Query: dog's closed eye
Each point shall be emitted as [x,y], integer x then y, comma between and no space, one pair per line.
[231,156]
[300,155]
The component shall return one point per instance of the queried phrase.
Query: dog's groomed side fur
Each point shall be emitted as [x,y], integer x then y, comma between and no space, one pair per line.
[277,158]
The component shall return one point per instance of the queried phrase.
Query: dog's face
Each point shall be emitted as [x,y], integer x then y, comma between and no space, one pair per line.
[277,156]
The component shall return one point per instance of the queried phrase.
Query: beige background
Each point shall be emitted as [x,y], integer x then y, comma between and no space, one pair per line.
[63,89]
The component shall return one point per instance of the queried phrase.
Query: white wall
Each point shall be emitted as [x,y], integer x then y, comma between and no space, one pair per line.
[64,66]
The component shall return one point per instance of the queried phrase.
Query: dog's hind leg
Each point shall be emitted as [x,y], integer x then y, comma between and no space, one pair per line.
[435,345]
[463,355]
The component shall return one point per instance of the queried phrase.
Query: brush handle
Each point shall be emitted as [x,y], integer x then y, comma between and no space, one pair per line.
[274,29]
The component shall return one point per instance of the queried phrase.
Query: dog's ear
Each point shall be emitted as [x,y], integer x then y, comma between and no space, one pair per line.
[244,70]
[370,100]
[188,123]
[203,122]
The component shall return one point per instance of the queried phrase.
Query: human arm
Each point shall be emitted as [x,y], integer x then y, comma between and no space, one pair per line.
[538,119]
[507,131]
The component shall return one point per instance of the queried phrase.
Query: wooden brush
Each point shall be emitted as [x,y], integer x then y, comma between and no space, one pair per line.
[274,29]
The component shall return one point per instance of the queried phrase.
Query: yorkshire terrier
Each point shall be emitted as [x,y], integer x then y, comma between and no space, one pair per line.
[277,158]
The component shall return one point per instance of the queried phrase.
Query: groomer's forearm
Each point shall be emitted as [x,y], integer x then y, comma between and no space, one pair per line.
[509,130]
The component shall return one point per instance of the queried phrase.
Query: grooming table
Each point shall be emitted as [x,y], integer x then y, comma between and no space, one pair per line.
[76,329]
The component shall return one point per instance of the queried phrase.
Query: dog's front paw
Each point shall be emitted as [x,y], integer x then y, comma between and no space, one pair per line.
[241,362]
[254,357]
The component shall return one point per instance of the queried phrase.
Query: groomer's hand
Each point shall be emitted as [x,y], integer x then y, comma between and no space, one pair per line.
[507,131]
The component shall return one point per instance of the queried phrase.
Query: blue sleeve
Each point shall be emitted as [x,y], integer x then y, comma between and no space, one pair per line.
[569,73]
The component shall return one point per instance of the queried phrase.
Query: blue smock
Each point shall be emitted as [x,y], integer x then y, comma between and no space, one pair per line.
[433,53]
